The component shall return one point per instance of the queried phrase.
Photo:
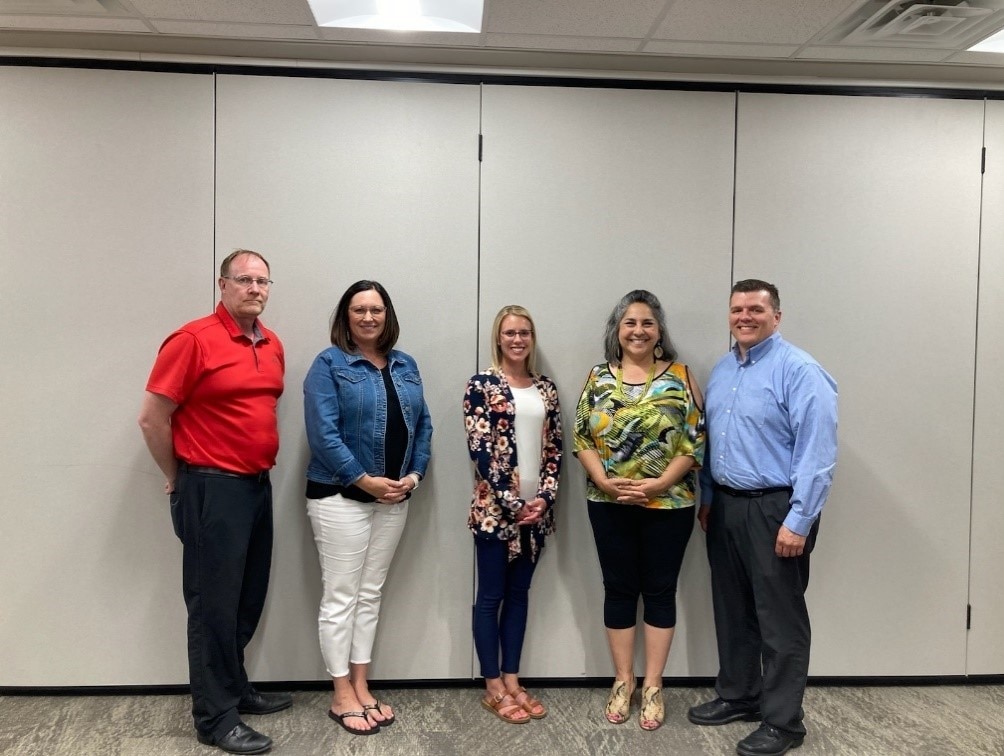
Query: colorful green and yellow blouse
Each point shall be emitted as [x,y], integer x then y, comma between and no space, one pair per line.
[637,432]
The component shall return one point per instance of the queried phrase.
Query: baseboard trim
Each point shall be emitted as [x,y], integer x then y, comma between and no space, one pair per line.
[536,682]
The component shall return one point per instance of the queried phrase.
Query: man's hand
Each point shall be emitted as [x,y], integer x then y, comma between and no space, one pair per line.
[703,513]
[789,543]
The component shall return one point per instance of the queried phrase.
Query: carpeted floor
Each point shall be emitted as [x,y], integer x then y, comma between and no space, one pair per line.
[863,721]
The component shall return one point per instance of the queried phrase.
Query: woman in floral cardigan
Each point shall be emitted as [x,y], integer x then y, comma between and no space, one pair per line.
[508,407]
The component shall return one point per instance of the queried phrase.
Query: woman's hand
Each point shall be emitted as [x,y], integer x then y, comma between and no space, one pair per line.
[386,490]
[640,491]
[531,512]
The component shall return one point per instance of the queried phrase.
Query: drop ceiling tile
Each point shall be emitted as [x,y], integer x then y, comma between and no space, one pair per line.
[545,42]
[776,21]
[582,18]
[897,54]
[71,23]
[256,31]
[248,11]
[719,49]
[70,7]
[387,37]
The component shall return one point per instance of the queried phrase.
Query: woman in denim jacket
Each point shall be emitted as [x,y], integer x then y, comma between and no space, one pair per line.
[513,424]
[369,433]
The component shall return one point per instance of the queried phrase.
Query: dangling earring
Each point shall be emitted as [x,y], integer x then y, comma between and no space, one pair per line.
[658,352]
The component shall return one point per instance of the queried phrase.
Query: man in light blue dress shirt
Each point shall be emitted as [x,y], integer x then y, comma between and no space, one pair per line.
[772,447]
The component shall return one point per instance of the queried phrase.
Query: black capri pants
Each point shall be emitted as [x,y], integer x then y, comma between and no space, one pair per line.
[640,552]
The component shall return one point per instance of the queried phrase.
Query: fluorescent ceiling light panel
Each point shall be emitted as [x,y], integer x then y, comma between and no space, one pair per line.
[993,43]
[400,15]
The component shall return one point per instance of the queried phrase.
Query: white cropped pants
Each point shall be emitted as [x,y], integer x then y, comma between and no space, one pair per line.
[355,543]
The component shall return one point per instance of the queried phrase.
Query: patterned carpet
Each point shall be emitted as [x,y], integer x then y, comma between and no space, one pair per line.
[863,721]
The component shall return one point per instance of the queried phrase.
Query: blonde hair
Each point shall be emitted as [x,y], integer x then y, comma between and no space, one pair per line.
[519,312]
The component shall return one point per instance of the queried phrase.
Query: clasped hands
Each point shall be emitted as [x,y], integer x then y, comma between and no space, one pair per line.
[531,512]
[630,491]
[386,490]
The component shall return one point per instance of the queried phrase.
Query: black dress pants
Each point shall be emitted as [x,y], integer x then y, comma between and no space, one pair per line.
[761,621]
[225,525]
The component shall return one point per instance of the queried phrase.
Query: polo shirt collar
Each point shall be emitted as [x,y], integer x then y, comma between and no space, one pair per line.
[233,329]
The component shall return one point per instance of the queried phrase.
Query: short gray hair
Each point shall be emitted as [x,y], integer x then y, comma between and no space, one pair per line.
[612,345]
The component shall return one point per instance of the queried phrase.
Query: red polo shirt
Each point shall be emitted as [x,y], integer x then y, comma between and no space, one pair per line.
[226,389]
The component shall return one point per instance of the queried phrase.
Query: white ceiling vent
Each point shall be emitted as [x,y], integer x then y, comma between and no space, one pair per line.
[947,24]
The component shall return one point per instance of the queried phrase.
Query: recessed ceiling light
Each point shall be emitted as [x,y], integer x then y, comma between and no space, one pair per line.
[400,15]
[993,43]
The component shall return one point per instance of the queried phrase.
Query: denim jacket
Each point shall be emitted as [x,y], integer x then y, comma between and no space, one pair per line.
[345,409]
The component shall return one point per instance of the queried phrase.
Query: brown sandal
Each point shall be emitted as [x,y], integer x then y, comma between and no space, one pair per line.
[505,708]
[529,703]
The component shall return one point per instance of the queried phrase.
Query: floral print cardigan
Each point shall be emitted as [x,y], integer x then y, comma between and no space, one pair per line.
[489,417]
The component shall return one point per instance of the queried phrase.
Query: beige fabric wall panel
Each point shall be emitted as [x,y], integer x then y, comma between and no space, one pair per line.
[337,181]
[106,242]
[865,212]
[587,194]
[985,650]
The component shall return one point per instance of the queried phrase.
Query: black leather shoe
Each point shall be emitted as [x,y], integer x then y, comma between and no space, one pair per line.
[719,712]
[768,741]
[241,739]
[264,703]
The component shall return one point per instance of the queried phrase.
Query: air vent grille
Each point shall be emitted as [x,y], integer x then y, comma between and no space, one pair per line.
[947,24]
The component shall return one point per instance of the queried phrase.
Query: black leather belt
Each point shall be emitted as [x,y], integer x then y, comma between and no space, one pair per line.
[219,472]
[752,494]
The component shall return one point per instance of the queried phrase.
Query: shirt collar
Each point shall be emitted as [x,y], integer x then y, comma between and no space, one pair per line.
[233,329]
[757,352]
[353,357]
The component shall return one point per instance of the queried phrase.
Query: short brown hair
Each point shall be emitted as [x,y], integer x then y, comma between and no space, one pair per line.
[750,285]
[225,265]
[340,335]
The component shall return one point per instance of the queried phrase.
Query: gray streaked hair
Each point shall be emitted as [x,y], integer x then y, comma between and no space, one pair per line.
[612,345]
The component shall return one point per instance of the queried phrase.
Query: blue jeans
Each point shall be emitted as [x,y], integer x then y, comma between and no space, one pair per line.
[501,605]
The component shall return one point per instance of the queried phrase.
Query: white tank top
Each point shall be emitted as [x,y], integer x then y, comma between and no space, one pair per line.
[529,428]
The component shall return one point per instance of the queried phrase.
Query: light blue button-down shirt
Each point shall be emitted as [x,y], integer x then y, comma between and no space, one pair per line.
[772,421]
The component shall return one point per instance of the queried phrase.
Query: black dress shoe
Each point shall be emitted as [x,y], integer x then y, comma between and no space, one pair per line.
[241,739]
[264,703]
[767,740]
[719,712]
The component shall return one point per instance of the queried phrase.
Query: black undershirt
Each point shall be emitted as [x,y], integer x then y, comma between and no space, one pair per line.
[394,448]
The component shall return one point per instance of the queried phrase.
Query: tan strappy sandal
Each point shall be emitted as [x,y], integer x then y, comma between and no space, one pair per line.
[505,708]
[532,706]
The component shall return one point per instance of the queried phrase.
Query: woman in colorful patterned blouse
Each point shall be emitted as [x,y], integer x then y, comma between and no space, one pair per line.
[639,434]
[514,436]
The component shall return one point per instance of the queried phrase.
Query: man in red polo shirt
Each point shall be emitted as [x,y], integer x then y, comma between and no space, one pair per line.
[209,420]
